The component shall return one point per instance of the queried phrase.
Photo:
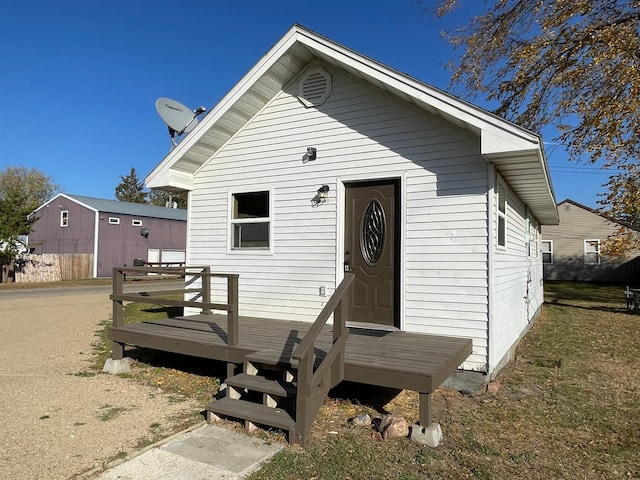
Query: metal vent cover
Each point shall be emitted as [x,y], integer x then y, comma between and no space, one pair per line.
[314,87]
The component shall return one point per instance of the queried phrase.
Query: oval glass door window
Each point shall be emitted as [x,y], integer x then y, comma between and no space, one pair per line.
[373,233]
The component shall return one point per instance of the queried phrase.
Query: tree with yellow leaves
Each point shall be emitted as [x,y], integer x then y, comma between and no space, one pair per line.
[571,64]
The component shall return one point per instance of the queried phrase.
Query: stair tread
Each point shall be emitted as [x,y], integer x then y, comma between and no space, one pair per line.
[258,383]
[278,358]
[271,357]
[254,412]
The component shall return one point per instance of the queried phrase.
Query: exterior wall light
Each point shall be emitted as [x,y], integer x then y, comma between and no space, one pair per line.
[144,232]
[310,155]
[321,196]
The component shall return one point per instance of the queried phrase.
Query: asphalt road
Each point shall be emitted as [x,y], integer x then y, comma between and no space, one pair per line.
[69,290]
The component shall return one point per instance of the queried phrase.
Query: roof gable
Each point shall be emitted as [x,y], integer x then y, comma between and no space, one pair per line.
[516,152]
[593,211]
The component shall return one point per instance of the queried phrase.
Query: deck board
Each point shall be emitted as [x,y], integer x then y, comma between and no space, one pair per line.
[386,358]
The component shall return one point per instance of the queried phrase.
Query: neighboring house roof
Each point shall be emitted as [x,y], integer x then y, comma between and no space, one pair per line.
[517,153]
[596,212]
[125,208]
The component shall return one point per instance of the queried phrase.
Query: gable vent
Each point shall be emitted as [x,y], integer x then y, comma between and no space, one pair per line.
[314,87]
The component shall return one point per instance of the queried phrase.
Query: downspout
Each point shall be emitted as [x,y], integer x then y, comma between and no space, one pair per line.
[96,230]
[491,240]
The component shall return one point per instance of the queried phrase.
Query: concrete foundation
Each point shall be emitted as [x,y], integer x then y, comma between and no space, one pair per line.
[430,436]
[115,367]
[467,381]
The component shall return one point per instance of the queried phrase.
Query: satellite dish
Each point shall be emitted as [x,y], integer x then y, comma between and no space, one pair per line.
[179,118]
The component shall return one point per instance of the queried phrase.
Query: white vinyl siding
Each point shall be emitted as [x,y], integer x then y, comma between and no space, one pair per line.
[360,133]
[502,214]
[517,276]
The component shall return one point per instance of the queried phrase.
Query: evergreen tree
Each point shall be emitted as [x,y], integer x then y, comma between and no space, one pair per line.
[131,189]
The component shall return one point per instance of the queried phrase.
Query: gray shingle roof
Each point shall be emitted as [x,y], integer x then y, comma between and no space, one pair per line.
[128,208]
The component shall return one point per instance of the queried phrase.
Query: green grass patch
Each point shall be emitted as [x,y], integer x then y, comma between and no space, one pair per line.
[109,412]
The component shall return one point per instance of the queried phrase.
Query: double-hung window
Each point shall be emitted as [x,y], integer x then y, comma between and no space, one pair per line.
[592,252]
[251,221]
[64,218]
[547,251]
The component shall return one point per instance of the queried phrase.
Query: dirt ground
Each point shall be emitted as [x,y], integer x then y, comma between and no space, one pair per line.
[58,421]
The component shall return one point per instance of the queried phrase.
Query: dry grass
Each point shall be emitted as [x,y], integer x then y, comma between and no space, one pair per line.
[567,407]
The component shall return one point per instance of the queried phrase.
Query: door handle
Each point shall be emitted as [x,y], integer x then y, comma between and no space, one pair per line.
[347,266]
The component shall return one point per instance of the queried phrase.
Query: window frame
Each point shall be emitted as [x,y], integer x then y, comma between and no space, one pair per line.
[588,241]
[501,243]
[113,221]
[232,222]
[64,218]
[550,252]
[135,222]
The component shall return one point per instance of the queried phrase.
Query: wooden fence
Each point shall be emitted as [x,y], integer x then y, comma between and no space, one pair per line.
[51,267]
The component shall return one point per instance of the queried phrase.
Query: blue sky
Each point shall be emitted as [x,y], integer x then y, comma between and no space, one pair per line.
[79,79]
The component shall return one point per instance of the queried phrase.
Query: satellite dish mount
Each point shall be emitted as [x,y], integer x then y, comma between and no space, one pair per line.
[179,119]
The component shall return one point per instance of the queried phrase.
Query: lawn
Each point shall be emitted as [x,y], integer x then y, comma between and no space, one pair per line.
[566,407]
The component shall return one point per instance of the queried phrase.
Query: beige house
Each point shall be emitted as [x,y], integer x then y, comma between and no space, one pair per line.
[571,250]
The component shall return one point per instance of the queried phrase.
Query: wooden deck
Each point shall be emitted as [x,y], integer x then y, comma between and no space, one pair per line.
[376,357]
[313,357]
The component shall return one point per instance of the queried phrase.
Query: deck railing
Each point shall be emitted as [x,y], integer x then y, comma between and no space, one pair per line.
[313,385]
[201,298]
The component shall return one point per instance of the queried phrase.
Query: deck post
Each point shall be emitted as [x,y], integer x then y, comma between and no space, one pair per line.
[117,280]
[337,370]
[206,288]
[232,314]
[425,410]
[305,371]
[118,286]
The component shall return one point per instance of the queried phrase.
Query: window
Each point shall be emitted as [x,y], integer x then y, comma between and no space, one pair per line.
[114,221]
[250,221]
[547,251]
[502,214]
[592,252]
[136,223]
[64,218]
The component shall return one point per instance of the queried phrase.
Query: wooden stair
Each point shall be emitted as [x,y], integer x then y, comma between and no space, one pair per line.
[285,389]
[264,394]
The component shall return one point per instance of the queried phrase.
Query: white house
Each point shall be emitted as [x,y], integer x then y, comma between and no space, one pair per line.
[321,159]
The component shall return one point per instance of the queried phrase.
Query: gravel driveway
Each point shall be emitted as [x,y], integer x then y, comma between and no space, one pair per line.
[57,423]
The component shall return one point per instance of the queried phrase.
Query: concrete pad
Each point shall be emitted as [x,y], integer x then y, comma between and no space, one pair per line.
[208,452]
[467,381]
[115,367]
[430,436]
